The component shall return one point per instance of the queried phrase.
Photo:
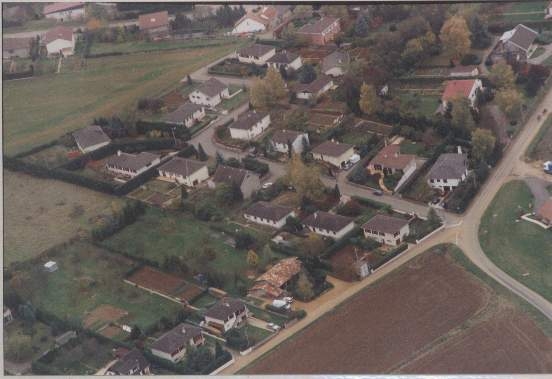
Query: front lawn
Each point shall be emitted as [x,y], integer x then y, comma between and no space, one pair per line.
[236,100]
[521,249]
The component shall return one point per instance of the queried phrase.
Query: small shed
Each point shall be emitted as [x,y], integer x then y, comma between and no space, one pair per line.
[50,266]
[65,337]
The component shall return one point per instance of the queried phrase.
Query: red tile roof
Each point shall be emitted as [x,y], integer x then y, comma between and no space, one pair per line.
[545,211]
[153,20]
[59,32]
[58,7]
[390,157]
[458,88]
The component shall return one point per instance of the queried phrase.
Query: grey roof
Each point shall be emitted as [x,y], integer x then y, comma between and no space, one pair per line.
[327,221]
[449,166]
[333,149]
[183,112]
[255,50]
[212,87]
[176,338]
[385,224]
[523,36]
[182,166]
[314,86]
[90,136]
[283,57]
[335,59]
[130,362]
[132,161]
[247,120]
[283,136]
[229,175]
[268,211]
[318,26]
[225,308]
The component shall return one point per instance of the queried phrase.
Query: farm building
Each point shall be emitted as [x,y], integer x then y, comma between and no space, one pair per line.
[173,345]
[249,125]
[64,11]
[155,25]
[15,47]
[91,138]
[272,283]
[226,314]
[257,54]
[269,214]
[335,153]
[386,229]
[314,89]
[544,213]
[518,42]
[59,41]
[132,363]
[187,114]
[131,164]
[248,181]
[466,88]
[210,93]
[281,140]
[184,171]
[329,224]
[286,60]
[335,64]
[320,32]
[448,171]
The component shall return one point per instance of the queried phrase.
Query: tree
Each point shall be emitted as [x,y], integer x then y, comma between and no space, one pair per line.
[244,240]
[135,333]
[303,287]
[201,155]
[462,118]
[297,119]
[27,313]
[336,192]
[313,245]
[189,80]
[252,258]
[433,219]
[361,26]
[455,36]
[536,76]
[218,350]
[183,193]
[306,74]
[34,48]
[306,180]
[509,100]
[268,91]
[369,101]
[483,143]
[338,11]
[228,194]
[502,76]
[199,358]
[480,38]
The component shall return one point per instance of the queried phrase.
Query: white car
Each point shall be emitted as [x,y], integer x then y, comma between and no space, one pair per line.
[273,326]
[266,185]
[288,299]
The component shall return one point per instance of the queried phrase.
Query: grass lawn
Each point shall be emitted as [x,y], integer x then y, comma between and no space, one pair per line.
[267,316]
[521,249]
[235,101]
[140,46]
[421,105]
[548,61]
[528,6]
[41,109]
[87,278]
[538,52]
[256,335]
[21,345]
[541,146]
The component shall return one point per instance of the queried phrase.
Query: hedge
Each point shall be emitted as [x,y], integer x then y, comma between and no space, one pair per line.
[255,165]
[181,132]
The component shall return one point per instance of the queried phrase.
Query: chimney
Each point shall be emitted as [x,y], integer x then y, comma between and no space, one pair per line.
[459,149]
[118,153]
[183,330]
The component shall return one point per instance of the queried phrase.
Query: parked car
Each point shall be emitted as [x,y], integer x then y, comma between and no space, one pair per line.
[273,326]
[378,192]
[288,299]
[267,185]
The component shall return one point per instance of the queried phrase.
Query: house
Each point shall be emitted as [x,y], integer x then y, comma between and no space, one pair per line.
[320,32]
[59,40]
[256,21]
[172,345]
[184,171]
[335,64]
[544,213]
[464,71]
[50,266]
[210,93]
[390,160]
[16,47]
[8,316]
[187,114]
[64,11]
[336,153]
[548,11]
[257,54]
[132,164]
[269,214]
[329,224]
[518,42]
[155,25]
[286,60]
[249,125]
[132,363]
[464,88]
[226,314]
[248,181]
[314,89]
[448,171]
[91,138]
[387,229]
[281,140]
[272,283]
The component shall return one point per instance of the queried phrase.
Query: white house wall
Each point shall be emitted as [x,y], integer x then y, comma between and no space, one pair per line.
[249,25]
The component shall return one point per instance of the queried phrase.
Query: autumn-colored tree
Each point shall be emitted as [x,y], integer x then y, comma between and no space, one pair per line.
[483,143]
[509,100]
[461,114]
[313,245]
[303,287]
[369,102]
[305,179]
[268,91]
[502,76]
[252,258]
[94,23]
[455,36]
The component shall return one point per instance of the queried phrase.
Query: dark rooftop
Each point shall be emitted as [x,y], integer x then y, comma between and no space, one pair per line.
[449,166]
[183,112]
[268,211]
[256,50]
[176,338]
[327,221]
[247,120]
[331,148]
[90,136]
[385,224]
[225,308]
[182,166]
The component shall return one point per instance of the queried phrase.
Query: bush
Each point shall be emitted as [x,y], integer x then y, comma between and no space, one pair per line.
[470,59]
[244,240]
[545,37]
[236,339]
[255,165]
[143,127]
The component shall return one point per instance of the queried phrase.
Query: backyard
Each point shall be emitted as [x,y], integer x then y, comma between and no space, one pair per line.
[40,109]
[521,249]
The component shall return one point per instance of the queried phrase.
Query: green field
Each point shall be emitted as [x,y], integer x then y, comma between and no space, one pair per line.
[138,46]
[21,344]
[40,109]
[420,105]
[521,249]
[87,278]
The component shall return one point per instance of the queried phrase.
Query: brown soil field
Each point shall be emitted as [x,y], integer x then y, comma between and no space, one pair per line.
[104,313]
[41,213]
[158,281]
[431,305]
[111,331]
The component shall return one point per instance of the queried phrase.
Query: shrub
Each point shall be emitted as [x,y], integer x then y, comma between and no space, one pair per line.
[244,240]
[236,339]
[470,59]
